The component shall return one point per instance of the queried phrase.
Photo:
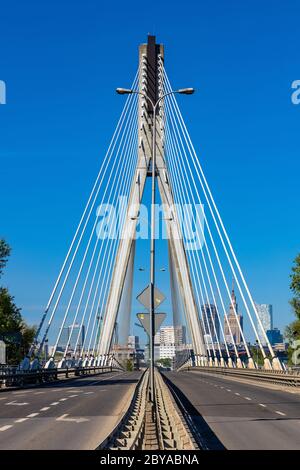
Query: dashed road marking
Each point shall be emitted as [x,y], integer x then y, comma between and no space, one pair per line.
[45,408]
[72,396]
[54,403]
[237,394]
[261,404]
[21,420]
[32,415]
[4,428]
[89,393]
[228,390]
[17,403]
[63,399]
[280,413]
[247,398]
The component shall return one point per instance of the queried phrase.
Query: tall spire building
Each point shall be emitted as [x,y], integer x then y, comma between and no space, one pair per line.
[234,321]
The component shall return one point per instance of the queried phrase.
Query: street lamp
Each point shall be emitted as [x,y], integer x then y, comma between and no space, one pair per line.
[126,91]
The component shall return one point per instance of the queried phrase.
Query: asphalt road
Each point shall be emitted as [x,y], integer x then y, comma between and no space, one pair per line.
[235,415]
[74,414]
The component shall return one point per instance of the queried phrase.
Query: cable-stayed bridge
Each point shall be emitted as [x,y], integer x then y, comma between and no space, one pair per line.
[93,295]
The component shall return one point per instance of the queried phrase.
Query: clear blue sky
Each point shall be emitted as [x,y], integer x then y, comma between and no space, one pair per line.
[62,60]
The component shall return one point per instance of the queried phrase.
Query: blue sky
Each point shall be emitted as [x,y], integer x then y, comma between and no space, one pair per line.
[62,60]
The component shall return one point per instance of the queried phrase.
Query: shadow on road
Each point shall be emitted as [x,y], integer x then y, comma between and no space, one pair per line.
[203,434]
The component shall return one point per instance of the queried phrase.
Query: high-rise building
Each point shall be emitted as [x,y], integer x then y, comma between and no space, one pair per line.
[133,342]
[70,336]
[211,321]
[274,336]
[235,321]
[265,314]
[171,339]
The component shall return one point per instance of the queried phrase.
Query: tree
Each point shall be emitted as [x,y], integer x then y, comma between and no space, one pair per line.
[165,362]
[4,254]
[292,332]
[13,330]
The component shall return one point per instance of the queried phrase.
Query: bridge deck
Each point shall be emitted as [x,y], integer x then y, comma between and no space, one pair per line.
[240,415]
[75,414]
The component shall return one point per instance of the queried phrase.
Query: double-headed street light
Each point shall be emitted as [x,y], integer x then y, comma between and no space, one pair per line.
[125,91]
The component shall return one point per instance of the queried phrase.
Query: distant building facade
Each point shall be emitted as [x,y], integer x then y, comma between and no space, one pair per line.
[274,336]
[133,342]
[235,322]
[211,321]
[72,336]
[171,339]
[265,314]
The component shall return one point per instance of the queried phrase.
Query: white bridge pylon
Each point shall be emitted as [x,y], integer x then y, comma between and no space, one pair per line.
[96,278]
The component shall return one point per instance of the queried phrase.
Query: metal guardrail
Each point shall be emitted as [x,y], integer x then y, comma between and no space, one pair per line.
[173,427]
[275,376]
[128,433]
[13,377]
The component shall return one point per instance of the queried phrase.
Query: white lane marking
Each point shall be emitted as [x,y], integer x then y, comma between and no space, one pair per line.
[63,399]
[45,408]
[54,403]
[247,398]
[75,420]
[222,388]
[4,428]
[72,396]
[16,403]
[32,415]
[228,390]
[21,420]
[3,398]
[280,413]
[236,393]
[89,393]
[261,404]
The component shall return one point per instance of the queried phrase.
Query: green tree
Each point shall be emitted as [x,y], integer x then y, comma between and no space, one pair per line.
[292,332]
[13,330]
[4,254]
[165,362]
[129,365]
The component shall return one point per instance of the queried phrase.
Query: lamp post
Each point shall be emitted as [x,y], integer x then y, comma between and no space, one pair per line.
[125,91]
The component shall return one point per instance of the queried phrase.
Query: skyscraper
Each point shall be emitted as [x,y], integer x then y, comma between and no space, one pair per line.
[70,336]
[211,321]
[235,321]
[265,313]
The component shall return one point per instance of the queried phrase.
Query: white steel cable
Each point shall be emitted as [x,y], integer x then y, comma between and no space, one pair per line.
[87,275]
[104,162]
[128,178]
[228,292]
[113,185]
[103,277]
[220,266]
[186,178]
[74,255]
[85,254]
[193,267]
[188,141]
[214,275]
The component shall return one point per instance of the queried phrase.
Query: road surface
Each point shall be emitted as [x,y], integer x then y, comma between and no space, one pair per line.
[74,414]
[235,415]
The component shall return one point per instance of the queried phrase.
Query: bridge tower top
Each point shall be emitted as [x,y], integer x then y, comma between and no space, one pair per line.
[149,55]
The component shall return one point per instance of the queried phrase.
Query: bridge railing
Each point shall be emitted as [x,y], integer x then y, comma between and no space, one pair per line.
[280,377]
[11,376]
